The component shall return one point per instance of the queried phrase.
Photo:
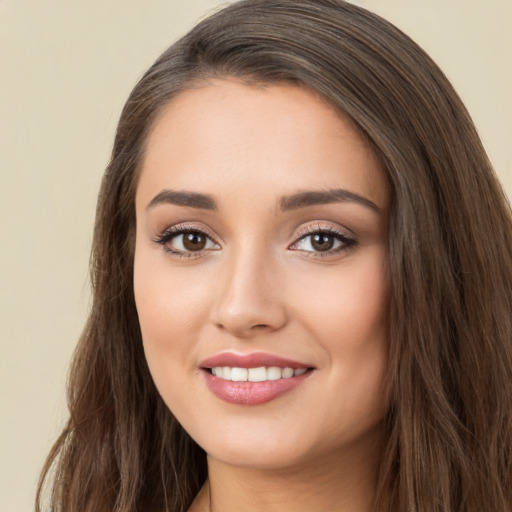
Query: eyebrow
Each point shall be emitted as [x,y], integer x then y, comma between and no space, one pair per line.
[314,198]
[287,203]
[184,198]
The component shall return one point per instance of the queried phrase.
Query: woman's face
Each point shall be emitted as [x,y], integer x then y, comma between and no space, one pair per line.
[260,274]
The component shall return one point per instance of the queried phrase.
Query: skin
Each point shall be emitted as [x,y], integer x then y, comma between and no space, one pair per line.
[259,285]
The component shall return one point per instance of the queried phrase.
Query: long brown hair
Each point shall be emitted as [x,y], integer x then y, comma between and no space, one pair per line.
[449,426]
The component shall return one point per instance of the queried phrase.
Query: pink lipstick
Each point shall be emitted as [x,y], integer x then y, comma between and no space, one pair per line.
[252,379]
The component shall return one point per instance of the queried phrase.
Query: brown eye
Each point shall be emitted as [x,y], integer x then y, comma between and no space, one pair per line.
[194,241]
[186,242]
[322,242]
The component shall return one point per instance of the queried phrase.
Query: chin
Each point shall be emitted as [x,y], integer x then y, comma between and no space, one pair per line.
[257,447]
[268,447]
[259,457]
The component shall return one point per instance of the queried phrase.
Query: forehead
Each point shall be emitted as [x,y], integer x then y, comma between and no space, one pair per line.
[276,137]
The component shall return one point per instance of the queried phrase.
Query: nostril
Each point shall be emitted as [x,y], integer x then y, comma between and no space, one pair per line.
[256,327]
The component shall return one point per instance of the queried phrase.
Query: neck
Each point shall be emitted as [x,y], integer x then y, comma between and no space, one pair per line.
[334,483]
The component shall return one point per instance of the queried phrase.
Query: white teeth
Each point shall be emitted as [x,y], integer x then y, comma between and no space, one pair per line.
[257,374]
[274,373]
[239,374]
[260,374]
[287,373]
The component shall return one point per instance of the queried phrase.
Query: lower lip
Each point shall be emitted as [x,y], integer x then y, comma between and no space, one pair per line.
[251,393]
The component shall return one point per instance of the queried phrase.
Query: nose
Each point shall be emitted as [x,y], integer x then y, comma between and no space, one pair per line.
[250,298]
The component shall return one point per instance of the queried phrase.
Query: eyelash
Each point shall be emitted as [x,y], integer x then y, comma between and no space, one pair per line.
[173,232]
[346,242]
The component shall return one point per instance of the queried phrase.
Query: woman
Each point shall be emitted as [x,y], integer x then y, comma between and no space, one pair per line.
[302,282]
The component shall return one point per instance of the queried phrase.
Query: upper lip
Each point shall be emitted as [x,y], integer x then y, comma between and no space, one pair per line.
[253,360]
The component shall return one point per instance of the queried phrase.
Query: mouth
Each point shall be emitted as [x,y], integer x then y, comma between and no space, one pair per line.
[260,374]
[252,379]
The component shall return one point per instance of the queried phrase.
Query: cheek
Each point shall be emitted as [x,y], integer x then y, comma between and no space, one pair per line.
[348,316]
[167,299]
[172,311]
[348,308]
[167,313]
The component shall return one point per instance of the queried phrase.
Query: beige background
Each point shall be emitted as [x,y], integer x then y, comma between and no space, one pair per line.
[66,68]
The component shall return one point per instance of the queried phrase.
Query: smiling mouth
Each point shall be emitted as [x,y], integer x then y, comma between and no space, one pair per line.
[259,374]
[253,379]
[253,386]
